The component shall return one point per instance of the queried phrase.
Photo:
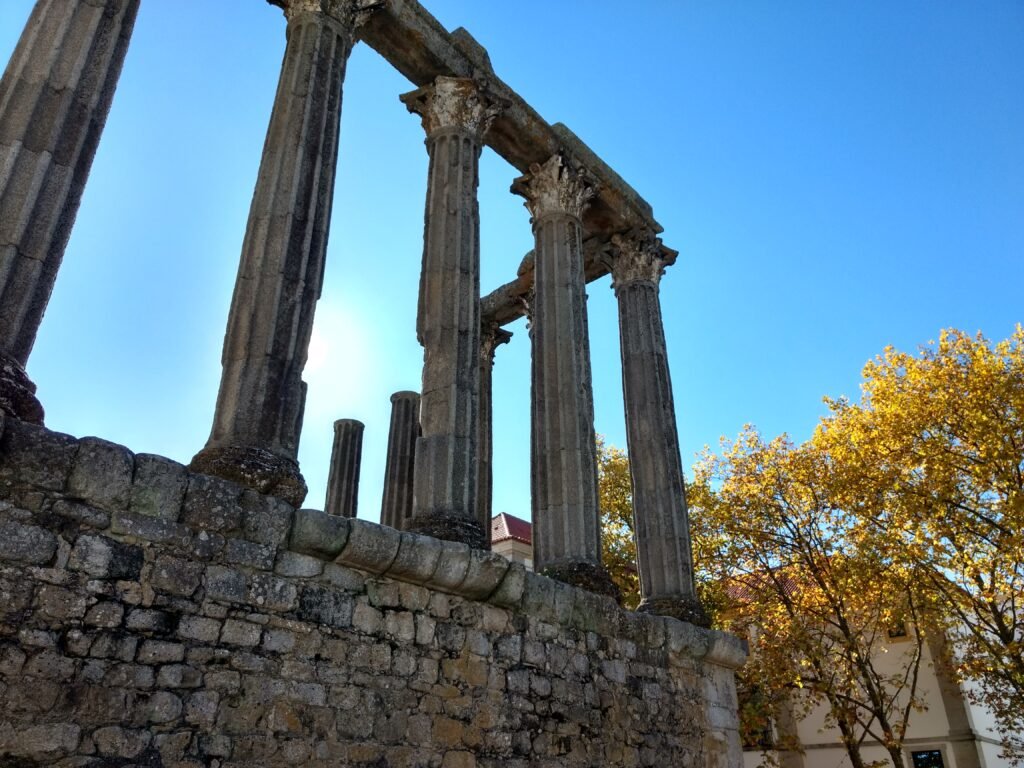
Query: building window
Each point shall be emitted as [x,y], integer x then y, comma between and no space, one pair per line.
[931,758]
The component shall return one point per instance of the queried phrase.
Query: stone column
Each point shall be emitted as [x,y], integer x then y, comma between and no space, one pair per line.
[54,98]
[660,519]
[258,419]
[343,480]
[491,337]
[399,467]
[566,519]
[456,115]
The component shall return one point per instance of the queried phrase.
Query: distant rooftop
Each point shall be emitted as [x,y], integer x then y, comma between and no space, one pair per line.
[505,526]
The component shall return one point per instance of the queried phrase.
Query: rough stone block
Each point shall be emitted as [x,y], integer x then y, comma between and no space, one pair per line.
[271,593]
[82,513]
[323,605]
[105,615]
[266,519]
[485,572]
[34,456]
[106,558]
[101,474]
[149,620]
[370,547]
[115,741]
[417,558]
[151,529]
[177,576]
[242,633]
[158,487]
[226,584]
[212,504]
[509,594]
[40,742]
[685,640]
[250,553]
[26,543]
[318,534]
[297,565]
[452,566]
[199,628]
[160,652]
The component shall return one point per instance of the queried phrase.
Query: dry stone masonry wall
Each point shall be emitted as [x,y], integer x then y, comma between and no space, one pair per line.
[154,617]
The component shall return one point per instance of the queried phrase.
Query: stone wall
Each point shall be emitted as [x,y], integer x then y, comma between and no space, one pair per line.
[153,617]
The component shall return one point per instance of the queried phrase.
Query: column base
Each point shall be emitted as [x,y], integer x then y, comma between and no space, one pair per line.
[685,609]
[450,528]
[18,393]
[255,468]
[585,575]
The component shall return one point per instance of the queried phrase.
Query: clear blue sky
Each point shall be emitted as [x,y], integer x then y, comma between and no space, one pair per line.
[836,176]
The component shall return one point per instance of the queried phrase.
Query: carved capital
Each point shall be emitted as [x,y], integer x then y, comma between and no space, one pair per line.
[635,257]
[458,103]
[555,187]
[350,13]
[491,337]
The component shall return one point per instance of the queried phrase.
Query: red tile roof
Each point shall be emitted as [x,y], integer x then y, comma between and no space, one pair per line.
[505,526]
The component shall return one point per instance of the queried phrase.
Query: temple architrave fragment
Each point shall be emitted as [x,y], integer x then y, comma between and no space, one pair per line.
[587,223]
[346,457]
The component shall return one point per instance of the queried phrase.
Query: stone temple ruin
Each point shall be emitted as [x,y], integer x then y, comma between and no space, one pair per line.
[161,615]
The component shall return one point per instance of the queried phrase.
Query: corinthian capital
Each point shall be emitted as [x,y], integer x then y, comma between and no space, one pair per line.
[555,187]
[491,337]
[453,102]
[350,13]
[635,257]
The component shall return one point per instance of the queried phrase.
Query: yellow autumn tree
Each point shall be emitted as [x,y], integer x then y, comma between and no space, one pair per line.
[814,594]
[615,500]
[933,462]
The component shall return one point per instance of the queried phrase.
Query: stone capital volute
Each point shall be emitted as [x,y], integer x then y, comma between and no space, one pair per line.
[555,187]
[635,257]
[349,13]
[491,337]
[454,103]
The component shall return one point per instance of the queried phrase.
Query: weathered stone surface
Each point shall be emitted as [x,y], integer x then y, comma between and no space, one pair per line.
[34,456]
[102,474]
[417,558]
[106,558]
[491,337]
[158,487]
[346,457]
[319,534]
[26,543]
[57,90]
[370,547]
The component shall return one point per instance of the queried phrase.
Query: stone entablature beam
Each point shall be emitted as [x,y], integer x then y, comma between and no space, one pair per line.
[258,417]
[660,517]
[563,460]
[456,114]
[346,459]
[54,99]
[418,46]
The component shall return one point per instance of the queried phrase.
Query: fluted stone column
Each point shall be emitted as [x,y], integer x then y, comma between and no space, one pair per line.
[456,115]
[399,467]
[491,337]
[660,517]
[346,457]
[54,98]
[258,419]
[566,519]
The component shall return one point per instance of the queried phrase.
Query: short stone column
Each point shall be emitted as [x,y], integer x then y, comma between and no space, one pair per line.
[456,115]
[258,418]
[346,457]
[396,503]
[660,518]
[491,337]
[563,474]
[54,98]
